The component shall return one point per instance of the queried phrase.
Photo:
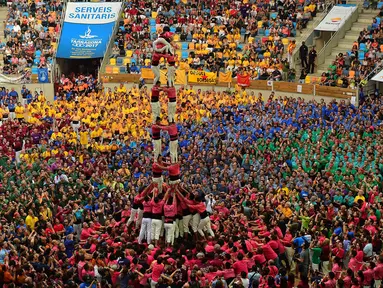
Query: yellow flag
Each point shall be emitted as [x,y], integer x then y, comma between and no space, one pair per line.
[180,77]
[147,73]
[202,77]
[225,77]
[164,76]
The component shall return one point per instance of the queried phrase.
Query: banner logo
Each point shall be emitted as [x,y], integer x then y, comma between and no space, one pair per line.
[86,41]
[87,29]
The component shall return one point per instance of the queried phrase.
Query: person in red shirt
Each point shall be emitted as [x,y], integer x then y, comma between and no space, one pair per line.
[58,227]
[174,173]
[155,101]
[162,48]
[171,70]
[173,144]
[338,251]
[156,138]
[259,257]
[204,222]
[172,104]
[179,225]
[157,168]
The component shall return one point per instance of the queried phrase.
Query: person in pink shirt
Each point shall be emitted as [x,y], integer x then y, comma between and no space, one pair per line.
[204,222]
[269,252]
[329,281]
[137,208]
[146,226]
[187,215]
[170,211]
[87,232]
[259,257]
[378,271]
[80,266]
[240,265]
[368,274]
[347,280]
[337,268]
[354,264]
[157,268]
[157,214]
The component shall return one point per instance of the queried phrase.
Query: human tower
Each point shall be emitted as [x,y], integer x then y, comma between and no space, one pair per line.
[167,209]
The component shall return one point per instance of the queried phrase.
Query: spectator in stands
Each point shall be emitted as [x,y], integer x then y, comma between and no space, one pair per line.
[28,28]
[252,33]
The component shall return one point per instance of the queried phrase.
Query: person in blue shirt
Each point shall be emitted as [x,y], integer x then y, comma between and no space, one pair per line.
[13,94]
[134,69]
[88,283]
[29,97]
[11,108]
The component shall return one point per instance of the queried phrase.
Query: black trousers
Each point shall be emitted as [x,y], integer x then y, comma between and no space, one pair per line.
[304,62]
[311,67]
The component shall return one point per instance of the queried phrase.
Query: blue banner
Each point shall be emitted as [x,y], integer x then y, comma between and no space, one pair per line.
[87,29]
[43,75]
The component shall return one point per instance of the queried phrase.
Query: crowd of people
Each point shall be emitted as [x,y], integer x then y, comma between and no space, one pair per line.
[165,187]
[223,36]
[353,68]
[31,32]
[292,190]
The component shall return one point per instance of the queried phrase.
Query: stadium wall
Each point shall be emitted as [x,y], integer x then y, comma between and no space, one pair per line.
[290,89]
[47,88]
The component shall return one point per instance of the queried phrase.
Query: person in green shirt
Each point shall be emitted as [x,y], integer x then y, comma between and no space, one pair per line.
[305,220]
[338,198]
[349,199]
[316,253]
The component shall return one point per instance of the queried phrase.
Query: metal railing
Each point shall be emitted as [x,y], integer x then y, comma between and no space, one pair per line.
[54,70]
[108,51]
[374,71]
[309,34]
[338,35]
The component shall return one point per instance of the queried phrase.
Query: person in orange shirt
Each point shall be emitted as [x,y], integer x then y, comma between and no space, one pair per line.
[290,50]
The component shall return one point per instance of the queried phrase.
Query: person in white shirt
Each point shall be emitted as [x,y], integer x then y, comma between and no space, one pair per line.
[16,28]
[60,178]
[210,202]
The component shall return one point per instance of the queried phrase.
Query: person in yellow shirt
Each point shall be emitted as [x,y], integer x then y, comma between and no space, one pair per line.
[56,135]
[45,212]
[84,137]
[31,220]
[19,111]
[121,89]
[359,197]
[41,97]
[96,133]
[286,210]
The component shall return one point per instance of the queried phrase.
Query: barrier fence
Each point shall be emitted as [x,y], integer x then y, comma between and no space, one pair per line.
[283,87]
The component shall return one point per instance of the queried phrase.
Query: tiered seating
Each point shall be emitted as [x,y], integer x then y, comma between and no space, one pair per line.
[27,52]
[222,43]
[352,67]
